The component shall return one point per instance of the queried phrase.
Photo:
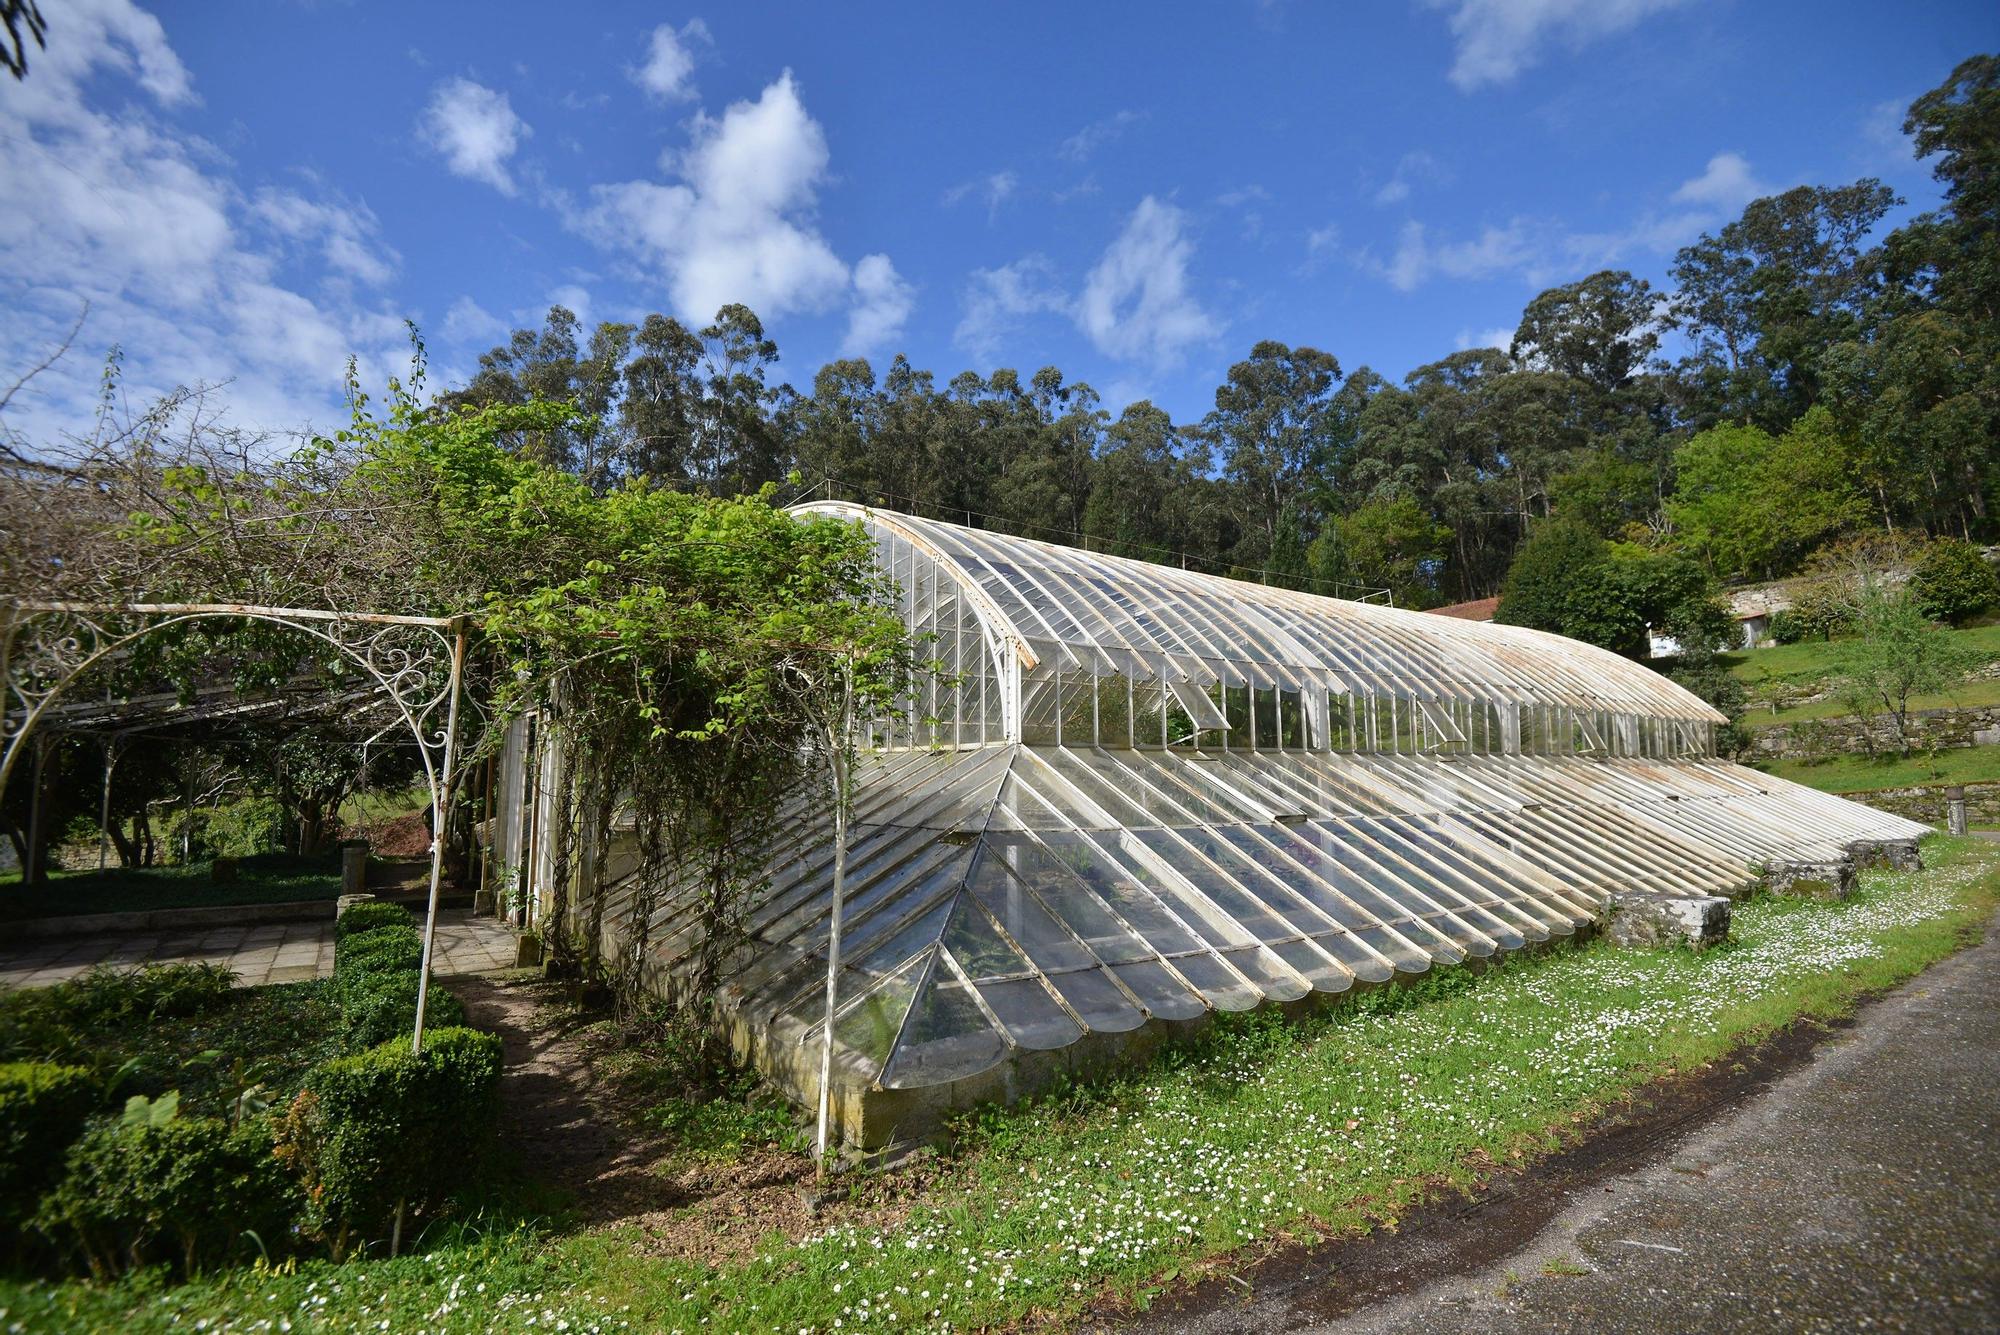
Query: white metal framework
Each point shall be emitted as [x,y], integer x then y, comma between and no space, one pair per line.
[1129,792]
[416,665]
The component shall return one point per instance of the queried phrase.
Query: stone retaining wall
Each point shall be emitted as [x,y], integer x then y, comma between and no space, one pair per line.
[1982,802]
[1943,729]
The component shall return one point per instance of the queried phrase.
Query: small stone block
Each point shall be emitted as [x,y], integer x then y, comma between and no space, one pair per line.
[346,902]
[1889,854]
[527,951]
[1811,880]
[1648,918]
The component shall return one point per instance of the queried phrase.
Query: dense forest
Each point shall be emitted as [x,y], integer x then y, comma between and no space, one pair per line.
[1803,377]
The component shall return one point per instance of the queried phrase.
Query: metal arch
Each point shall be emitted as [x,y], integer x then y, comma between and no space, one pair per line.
[1276,636]
[997,628]
[77,641]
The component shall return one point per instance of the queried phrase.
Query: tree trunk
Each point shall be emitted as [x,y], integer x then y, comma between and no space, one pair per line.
[128,851]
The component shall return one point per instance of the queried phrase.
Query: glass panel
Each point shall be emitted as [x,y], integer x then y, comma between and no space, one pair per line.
[1271,978]
[1097,999]
[1223,989]
[869,1026]
[1030,1014]
[1058,881]
[945,1038]
[1247,913]
[1158,990]
[1303,957]
[1048,945]
[979,950]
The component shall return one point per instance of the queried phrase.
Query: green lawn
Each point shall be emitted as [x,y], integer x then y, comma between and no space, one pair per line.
[1333,1124]
[1859,774]
[1969,695]
[267,878]
[1815,661]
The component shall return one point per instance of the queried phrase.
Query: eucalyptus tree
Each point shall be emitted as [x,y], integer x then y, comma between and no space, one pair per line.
[1271,431]
[1761,299]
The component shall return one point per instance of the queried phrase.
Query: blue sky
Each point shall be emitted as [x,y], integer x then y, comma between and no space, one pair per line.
[250,193]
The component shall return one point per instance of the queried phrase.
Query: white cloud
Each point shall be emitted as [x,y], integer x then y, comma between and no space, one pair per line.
[1413,167]
[1080,146]
[1540,251]
[1135,303]
[348,234]
[1501,338]
[736,224]
[1726,184]
[998,301]
[110,36]
[882,303]
[469,322]
[182,269]
[1497,39]
[670,61]
[1322,245]
[1495,250]
[476,130]
[995,188]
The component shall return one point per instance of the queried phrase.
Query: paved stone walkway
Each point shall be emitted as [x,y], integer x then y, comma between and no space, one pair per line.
[1861,1192]
[275,952]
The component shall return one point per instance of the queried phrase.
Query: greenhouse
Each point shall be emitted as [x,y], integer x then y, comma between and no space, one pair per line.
[1124,796]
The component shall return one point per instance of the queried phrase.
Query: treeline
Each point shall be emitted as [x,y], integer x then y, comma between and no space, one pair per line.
[1800,380]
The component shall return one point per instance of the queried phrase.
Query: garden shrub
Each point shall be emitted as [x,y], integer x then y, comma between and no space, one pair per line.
[1953,581]
[189,1191]
[387,1125]
[376,951]
[42,1109]
[376,1007]
[369,915]
[66,1022]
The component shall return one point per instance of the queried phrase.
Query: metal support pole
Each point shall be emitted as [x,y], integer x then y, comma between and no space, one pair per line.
[440,796]
[840,799]
[31,871]
[104,804]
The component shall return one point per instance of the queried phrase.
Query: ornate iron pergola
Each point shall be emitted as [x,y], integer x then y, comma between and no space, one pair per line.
[46,648]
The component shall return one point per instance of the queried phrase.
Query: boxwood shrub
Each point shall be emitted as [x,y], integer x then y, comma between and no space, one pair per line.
[42,1109]
[191,1192]
[376,1007]
[385,1125]
[368,915]
[377,950]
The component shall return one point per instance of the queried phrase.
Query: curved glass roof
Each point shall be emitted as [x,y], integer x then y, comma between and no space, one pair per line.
[1129,793]
[1017,898]
[1111,615]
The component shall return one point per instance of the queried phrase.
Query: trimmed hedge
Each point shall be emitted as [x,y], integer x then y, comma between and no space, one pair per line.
[367,916]
[378,1006]
[42,1109]
[189,1191]
[377,950]
[386,1125]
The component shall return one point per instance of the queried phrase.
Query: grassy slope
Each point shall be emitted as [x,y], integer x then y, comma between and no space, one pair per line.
[267,878]
[1859,774]
[1331,1125]
[1968,695]
[1813,665]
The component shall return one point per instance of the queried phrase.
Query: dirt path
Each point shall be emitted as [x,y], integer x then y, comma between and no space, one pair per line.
[577,1135]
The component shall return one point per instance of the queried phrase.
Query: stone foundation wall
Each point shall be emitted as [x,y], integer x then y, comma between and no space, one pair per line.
[1940,728]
